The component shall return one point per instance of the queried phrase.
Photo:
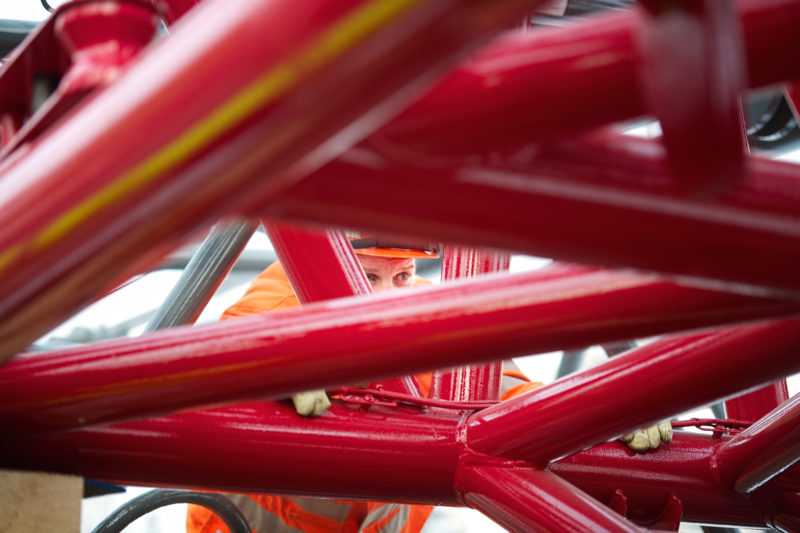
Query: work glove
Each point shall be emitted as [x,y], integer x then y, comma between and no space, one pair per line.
[311,403]
[650,438]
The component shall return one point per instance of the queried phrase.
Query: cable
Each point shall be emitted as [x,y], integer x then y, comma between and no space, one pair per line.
[150,501]
[47,6]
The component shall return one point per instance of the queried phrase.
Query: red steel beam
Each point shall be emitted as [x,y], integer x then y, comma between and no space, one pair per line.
[529,500]
[635,389]
[472,382]
[266,447]
[606,199]
[249,97]
[686,467]
[536,85]
[339,342]
[693,75]
[321,265]
[754,404]
[763,450]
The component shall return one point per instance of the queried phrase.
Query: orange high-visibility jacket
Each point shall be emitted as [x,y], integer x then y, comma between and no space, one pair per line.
[268,513]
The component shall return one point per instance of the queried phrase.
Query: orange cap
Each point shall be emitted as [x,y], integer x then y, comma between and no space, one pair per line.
[379,247]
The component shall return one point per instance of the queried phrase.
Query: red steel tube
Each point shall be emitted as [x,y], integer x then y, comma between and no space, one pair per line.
[596,196]
[693,76]
[635,390]
[754,404]
[340,342]
[265,446]
[472,382]
[529,500]
[174,9]
[786,515]
[763,450]
[249,98]
[533,86]
[321,265]
[686,468]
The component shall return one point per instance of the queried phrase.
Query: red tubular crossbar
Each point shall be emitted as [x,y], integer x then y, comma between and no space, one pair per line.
[416,456]
[754,404]
[763,450]
[671,376]
[687,469]
[700,105]
[340,342]
[238,134]
[541,501]
[594,209]
[539,85]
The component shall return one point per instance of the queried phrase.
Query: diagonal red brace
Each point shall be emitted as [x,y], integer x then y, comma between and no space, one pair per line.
[346,341]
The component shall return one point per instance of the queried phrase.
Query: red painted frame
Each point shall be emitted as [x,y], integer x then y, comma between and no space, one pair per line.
[82,209]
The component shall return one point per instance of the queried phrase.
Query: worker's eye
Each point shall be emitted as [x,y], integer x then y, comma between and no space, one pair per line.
[372,278]
[403,276]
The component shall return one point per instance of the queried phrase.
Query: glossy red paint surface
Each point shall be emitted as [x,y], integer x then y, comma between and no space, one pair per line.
[211,155]
[472,382]
[402,454]
[693,74]
[321,265]
[594,195]
[586,73]
[82,207]
[635,390]
[754,404]
[174,9]
[529,500]
[341,342]
[763,450]
[82,47]
[685,468]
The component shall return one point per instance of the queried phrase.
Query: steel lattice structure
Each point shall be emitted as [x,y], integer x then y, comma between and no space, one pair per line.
[435,119]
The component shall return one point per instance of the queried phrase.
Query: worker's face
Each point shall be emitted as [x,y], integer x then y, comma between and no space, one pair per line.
[388,273]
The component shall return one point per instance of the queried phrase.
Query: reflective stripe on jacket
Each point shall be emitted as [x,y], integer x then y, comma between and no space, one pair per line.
[285,514]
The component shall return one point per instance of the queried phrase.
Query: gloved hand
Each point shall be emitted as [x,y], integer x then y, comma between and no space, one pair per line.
[650,438]
[311,403]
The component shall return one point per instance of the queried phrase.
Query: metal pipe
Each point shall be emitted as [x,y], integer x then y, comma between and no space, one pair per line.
[407,454]
[348,452]
[699,111]
[763,450]
[595,195]
[752,405]
[686,468]
[81,205]
[529,500]
[340,342]
[634,390]
[585,75]
[203,275]
[321,265]
[570,362]
[472,382]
